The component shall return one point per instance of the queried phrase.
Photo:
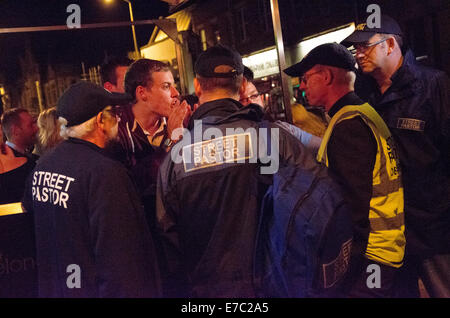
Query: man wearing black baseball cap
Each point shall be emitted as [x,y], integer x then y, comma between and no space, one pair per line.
[91,236]
[414,102]
[208,203]
[357,147]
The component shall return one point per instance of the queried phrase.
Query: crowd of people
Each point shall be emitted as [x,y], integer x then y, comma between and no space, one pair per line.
[124,180]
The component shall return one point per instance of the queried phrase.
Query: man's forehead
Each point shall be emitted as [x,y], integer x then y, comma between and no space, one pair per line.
[25,116]
[162,77]
[251,88]
[375,37]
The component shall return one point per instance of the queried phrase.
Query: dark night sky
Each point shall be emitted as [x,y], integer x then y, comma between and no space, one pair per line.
[71,47]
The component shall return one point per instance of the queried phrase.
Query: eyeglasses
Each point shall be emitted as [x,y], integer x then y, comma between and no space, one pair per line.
[305,77]
[363,47]
[250,98]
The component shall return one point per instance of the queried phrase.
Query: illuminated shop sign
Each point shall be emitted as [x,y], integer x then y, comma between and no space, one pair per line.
[262,64]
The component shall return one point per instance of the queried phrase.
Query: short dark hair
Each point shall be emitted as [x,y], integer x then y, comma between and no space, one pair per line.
[11,118]
[248,74]
[140,74]
[231,84]
[108,68]
[399,40]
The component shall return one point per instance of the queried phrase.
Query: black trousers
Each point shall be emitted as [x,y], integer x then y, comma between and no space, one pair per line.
[369,279]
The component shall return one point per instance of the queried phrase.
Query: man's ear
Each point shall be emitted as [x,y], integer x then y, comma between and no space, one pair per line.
[329,76]
[243,86]
[140,93]
[15,130]
[391,44]
[197,87]
[108,86]
[100,120]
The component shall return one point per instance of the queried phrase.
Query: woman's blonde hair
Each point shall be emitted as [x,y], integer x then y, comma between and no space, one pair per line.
[49,129]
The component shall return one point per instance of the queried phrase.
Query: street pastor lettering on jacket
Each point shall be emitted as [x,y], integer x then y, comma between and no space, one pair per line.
[51,187]
[227,149]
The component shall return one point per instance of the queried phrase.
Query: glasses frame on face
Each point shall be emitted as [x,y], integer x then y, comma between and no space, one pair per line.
[363,47]
[250,98]
[304,78]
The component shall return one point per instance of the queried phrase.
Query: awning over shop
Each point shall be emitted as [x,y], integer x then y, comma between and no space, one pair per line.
[160,47]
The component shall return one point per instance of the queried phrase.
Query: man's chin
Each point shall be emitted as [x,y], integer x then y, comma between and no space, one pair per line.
[365,68]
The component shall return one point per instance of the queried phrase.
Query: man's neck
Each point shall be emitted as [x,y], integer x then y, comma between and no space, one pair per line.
[383,75]
[145,117]
[334,96]
[16,146]
[97,137]
[215,95]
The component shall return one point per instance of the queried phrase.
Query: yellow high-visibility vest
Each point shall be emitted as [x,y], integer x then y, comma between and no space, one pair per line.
[386,243]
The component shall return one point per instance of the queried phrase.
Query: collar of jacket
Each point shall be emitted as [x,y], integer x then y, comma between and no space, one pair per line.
[88,144]
[405,74]
[226,109]
[126,115]
[348,99]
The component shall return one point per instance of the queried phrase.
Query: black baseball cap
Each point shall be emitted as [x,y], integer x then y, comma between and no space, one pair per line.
[364,32]
[84,100]
[331,54]
[211,63]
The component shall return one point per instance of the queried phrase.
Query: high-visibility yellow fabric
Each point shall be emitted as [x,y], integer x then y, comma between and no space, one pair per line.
[307,121]
[386,239]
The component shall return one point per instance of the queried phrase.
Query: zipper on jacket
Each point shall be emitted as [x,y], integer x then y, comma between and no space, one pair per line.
[294,213]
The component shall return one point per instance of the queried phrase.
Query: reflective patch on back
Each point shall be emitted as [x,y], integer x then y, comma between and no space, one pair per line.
[228,149]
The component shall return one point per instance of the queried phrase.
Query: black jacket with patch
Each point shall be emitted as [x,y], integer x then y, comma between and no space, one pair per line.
[208,204]
[416,109]
[89,220]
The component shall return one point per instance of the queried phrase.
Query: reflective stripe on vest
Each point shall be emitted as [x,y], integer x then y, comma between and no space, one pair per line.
[386,239]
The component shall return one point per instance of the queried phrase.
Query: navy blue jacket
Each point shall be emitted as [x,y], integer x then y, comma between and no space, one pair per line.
[87,213]
[416,109]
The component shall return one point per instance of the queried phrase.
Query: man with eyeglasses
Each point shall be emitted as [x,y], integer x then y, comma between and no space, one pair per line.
[251,96]
[358,150]
[92,239]
[414,102]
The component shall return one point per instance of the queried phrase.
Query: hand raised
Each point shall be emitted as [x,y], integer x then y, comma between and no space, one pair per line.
[178,118]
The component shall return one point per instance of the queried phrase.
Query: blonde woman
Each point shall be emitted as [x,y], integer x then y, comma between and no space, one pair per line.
[49,129]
